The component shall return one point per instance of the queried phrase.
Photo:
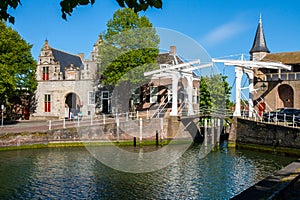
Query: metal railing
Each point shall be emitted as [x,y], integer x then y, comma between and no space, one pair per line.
[278,119]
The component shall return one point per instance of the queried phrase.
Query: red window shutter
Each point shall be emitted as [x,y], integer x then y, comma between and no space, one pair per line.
[49,106]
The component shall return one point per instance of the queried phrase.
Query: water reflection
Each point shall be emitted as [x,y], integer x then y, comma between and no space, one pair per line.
[72,173]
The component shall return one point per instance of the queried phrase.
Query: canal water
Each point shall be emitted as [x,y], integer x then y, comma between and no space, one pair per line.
[72,173]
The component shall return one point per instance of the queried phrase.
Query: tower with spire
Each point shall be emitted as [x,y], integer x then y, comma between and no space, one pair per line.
[259,48]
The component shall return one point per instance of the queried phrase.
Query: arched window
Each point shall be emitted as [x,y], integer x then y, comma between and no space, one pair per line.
[286,94]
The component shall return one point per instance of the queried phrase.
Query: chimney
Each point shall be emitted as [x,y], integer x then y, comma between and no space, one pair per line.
[172,50]
[81,55]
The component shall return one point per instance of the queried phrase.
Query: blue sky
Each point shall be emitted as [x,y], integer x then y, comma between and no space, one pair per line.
[222,27]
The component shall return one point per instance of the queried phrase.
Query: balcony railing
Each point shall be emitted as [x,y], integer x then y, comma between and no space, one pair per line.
[291,76]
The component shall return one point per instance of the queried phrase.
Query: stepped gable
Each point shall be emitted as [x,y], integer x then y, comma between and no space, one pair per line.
[66,59]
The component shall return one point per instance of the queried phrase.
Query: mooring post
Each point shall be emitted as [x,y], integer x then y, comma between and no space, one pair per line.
[49,125]
[141,130]
[147,114]
[78,121]
[103,118]
[91,119]
[134,141]
[127,116]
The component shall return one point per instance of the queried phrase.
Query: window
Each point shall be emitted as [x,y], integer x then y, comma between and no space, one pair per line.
[153,94]
[47,103]
[105,95]
[45,73]
[91,97]
[195,95]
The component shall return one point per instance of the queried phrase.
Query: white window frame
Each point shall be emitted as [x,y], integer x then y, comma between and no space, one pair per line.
[91,97]
[153,94]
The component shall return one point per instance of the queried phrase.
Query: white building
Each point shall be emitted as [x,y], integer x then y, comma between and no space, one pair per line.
[66,83]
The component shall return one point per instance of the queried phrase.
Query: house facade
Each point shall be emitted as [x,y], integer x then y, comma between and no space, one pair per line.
[157,95]
[281,87]
[66,84]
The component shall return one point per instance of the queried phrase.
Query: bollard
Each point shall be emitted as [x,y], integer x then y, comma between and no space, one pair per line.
[156,137]
[91,120]
[78,124]
[147,114]
[127,117]
[134,141]
[103,118]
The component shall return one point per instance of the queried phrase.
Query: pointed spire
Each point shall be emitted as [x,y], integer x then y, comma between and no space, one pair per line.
[259,44]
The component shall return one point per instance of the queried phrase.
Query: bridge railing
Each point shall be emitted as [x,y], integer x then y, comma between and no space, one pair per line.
[283,119]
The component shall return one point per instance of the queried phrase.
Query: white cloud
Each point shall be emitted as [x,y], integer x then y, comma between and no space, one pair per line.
[224,32]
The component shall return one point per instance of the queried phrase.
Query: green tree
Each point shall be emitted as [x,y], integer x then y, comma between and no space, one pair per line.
[67,6]
[129,48]
[17,66]
[214,93]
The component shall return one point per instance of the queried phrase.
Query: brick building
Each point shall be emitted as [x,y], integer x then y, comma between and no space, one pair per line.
[282,87]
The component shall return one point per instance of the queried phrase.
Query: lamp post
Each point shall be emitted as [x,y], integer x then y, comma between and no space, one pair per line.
[263,87]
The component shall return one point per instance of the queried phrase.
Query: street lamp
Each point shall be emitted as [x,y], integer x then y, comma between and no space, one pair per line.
[263,87]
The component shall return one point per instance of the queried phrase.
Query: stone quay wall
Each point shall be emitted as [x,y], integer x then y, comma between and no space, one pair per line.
[265,136]
[123,132]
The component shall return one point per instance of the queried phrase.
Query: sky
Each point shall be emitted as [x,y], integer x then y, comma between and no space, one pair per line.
[224,28]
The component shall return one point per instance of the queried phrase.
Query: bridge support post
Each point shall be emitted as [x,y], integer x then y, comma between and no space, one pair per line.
[238,82]
[212,130]
[175,79]
[189,90]
[219,131]
[205,133]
